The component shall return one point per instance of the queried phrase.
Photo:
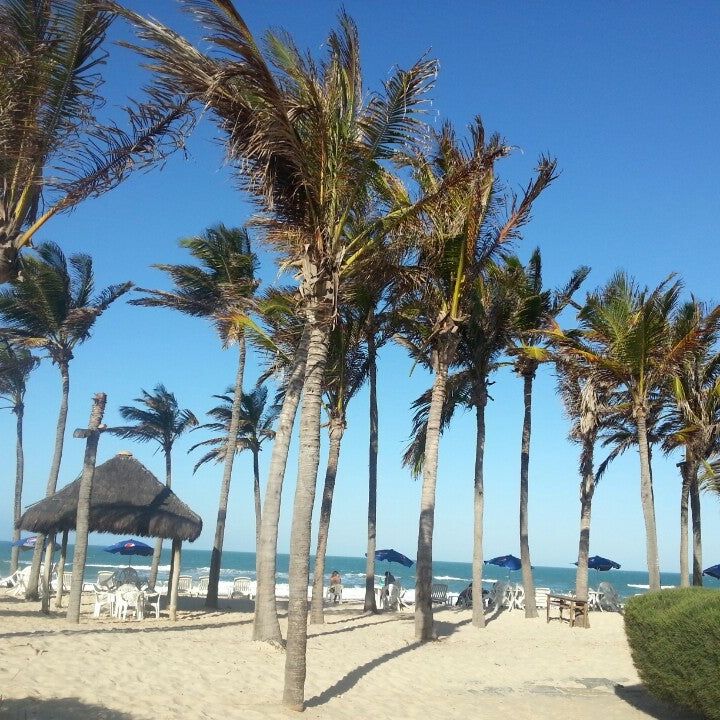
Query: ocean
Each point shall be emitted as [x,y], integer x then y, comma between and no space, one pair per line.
[456,575]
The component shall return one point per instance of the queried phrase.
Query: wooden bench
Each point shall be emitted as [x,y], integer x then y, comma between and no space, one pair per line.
[577,609]
[438,594]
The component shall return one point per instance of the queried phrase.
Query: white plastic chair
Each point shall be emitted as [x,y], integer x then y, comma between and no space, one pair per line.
[128,597]
[152,600]
[184,585]
[541,594]
[20,580]
[103,598]
[241,588]
[395,597]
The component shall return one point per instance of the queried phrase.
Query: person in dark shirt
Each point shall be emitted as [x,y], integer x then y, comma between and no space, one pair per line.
[389,579]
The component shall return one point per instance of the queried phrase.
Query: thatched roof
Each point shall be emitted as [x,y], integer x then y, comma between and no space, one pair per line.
[127,499]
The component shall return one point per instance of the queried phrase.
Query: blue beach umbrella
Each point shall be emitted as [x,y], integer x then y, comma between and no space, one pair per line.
[597,562]
[713,572]
[26,543]
[510,562]
[393,556]
[129,547]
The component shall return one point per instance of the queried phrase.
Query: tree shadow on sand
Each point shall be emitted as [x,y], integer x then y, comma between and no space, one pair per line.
[641,699]
[57,709]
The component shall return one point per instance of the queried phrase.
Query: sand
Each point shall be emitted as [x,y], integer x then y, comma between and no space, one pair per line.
[206,666]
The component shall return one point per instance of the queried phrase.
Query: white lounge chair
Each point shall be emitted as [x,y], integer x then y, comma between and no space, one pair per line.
[395,597]
[438,594]
[541,594]
[103,598]
[201,589]
[20,580]
[184,585]
[608,598]
[242,588]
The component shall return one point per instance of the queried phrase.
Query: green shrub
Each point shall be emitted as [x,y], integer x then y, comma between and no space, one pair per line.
[674,638]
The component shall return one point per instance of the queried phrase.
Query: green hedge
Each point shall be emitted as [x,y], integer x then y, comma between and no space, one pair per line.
[674,638]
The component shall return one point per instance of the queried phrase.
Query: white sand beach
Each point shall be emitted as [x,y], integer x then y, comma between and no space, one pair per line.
[206,666]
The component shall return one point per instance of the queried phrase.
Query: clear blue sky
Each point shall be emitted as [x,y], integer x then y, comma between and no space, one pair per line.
[626,97]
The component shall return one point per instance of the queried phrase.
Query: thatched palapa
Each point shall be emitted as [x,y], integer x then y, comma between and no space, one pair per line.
[127,499]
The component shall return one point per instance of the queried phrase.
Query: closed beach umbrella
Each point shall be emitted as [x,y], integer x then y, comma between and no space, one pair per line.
[129,547]
[393,556]
[713,572]
[510,562]
[597,562]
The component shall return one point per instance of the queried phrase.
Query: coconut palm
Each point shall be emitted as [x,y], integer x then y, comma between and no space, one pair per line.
[219,289]
[255,427]
[626,333]
[16,364]
[458,237]
[309,146]
[55,150]
[587,400]
[482,340]
[344,376]
[537,309]
[692,422]
[159,420]
[53,309]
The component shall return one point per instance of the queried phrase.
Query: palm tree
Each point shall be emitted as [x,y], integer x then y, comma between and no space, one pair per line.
[221,290]
[344,376]
[537,309]
[309,147]
[16,364]
[55,151]
[692,422]
[482,340]
[53,309]
[160,420]
[587,401]
[459,236]
[626,333]
[255,427]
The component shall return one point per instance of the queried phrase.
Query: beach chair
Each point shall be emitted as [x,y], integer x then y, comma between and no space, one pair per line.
[334,593]
[201,589]
[103,598]
[127,576]
[128,597]
[608,598]
[497,598]
[395,597]
[106,579]
[438,594]
[541,595]
[20,580]
[152,601]
[241,588]
[184,585]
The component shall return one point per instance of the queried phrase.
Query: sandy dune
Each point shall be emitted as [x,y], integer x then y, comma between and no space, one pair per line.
[206,666]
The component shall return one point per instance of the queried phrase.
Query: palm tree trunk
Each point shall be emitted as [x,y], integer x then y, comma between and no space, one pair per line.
[32,589]
[337,428]
[684,498]
[19,410]
[299,572]
[696,526]
[61,569]
[648,504]
[82,522]
[215,560]
[478,608]
[154,566]
[587,490]
[528,584]
[370,605]
[256,492]
[424,630]
[265,625]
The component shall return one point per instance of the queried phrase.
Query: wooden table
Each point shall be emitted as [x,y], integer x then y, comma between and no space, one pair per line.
[578,609]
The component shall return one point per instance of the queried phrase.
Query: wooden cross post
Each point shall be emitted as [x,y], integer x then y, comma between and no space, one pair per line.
[82,522]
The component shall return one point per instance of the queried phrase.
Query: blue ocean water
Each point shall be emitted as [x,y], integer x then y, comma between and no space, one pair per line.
[456,575]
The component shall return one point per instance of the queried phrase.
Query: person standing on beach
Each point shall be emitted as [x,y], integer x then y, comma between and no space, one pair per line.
[335,589]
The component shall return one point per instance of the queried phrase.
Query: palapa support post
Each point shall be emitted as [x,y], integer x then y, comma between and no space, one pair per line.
[176,555]
[82,521]
[47,574]
[61,569]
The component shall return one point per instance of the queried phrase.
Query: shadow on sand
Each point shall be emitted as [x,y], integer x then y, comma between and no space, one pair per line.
[640,699]
[57,709]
